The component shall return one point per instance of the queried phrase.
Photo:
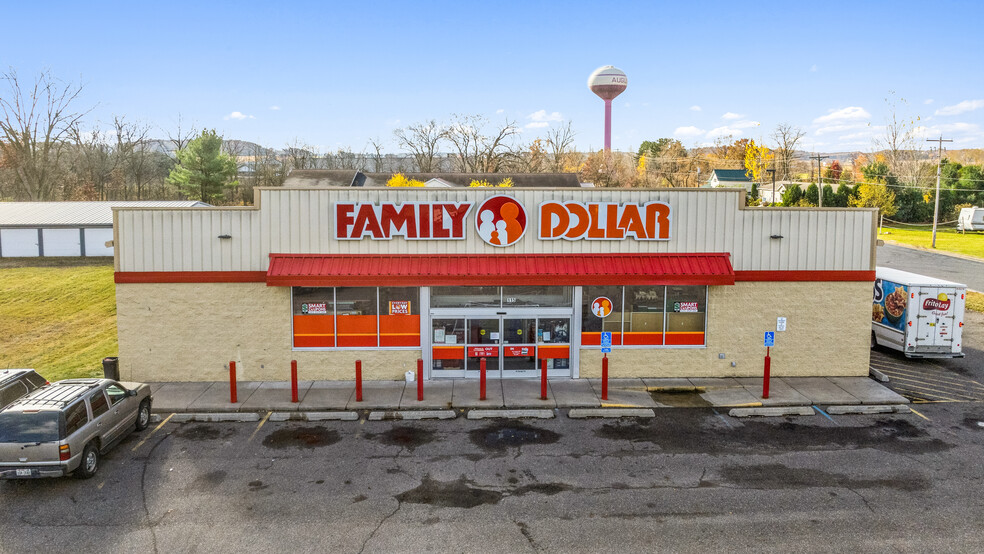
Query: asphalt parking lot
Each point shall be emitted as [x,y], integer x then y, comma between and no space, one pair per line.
[687,480]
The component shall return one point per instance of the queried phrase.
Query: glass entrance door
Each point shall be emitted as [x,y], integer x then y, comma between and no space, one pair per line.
[519,346]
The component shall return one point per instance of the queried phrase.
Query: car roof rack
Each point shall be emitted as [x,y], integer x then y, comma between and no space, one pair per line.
[58,394]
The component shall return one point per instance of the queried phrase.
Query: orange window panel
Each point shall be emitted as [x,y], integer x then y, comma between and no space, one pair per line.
[399,330]
[314,331]
[594,339]
[688,339]
[554,352]
[643,339]
[356,330]
[448,352]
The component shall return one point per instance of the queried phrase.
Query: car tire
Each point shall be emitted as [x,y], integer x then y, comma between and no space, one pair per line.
[143,415]
[90,462]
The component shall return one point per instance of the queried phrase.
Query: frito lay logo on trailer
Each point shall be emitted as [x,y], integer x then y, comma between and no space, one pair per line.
[604,221]
[940,303]
[412,220]
[501,221]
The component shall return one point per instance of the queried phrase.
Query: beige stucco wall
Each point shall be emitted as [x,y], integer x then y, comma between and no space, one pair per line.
[189,332]
[827,334]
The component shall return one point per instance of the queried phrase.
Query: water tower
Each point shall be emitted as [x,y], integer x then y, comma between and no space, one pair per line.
[608,82]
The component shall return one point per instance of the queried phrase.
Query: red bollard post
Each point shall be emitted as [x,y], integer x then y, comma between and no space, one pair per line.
[481,380]
[420,380]
[604,377]
[765,378]
[293,380]
[543,380]
[232,382]
[358,380]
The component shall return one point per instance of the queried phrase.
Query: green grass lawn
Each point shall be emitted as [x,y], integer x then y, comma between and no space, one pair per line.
[60,321]
[950,240]
[975,301]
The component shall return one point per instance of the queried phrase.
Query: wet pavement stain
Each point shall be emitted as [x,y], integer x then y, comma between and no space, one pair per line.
[208,481]
[504,435]
[548,489]
[301,437]
[256,486]
[205,432]
[359,498]
[676,433]
[404,436]
[680,399]
[778,476]
[454,494]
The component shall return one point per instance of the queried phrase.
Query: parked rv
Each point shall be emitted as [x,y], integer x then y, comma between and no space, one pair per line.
[920,316]
[971,219]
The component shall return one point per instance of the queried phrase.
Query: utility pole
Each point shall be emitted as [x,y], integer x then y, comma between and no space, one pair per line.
[939,162]
[818,158]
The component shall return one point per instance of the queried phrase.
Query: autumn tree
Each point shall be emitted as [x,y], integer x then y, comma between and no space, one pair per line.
[560,145]
[35,123]
[204,172]
[871,195]
[665,162]
[757,159]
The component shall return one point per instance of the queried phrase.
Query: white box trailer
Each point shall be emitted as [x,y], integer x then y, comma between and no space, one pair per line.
[920,316]
[971,219]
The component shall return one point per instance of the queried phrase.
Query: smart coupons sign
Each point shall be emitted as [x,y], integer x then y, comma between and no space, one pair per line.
[502,221]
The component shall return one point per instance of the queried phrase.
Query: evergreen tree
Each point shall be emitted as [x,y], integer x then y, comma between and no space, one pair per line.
[203,171]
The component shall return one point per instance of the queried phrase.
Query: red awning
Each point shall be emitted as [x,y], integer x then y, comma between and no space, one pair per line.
[343,270]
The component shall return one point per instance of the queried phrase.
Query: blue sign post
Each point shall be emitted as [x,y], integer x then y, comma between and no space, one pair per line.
[606,342]
[770,338]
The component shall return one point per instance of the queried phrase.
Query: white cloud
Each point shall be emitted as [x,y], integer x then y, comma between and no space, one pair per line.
[731,115]
[723,132]
[500,110]
[813,68]
[689,131]
[852,113]
[928,101]
[542,115]
[238,116]
[275,108]
[537,124]
[745,124]
[695,108]
[965,106]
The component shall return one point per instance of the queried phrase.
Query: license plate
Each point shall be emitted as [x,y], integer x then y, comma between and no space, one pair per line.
[23,473]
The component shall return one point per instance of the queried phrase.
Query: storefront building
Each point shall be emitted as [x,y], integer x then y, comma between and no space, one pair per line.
[685,280]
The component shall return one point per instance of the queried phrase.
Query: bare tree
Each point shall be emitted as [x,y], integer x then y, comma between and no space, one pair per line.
[35,123]
[786,137]
[476,151]
[422,140]
[377,154]
[180,137]
[134,160]
[560,141]
[899,143]
[95,164]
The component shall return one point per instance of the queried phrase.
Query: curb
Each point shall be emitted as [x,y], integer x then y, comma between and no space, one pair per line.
[583,413]
[868,409]
[215,417]
[510,414]
[314,416]
[772,411]
[933,251]
[412,415]
[877,375]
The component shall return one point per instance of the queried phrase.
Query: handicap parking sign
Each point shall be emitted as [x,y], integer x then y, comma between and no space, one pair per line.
[606,342]
[770,338]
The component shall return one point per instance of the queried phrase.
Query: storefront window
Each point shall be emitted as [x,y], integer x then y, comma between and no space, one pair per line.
[553,340]
[465,297]
[601,310]
[399,317]
[685,314]
[537,297]
[448,344]
[314,317]
[644,315]
[350,317]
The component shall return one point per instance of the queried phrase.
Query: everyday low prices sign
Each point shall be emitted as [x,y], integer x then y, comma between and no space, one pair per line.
[399,307]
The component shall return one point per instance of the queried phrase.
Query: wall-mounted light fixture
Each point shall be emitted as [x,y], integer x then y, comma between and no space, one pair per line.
[225,236]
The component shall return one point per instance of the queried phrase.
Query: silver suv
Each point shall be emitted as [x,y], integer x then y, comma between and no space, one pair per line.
[65,427]
[15,383]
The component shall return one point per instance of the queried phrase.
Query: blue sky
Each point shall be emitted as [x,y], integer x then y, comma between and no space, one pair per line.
[334,75]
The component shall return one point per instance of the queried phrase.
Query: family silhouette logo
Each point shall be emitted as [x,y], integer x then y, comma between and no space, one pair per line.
[501,221]
[602,306]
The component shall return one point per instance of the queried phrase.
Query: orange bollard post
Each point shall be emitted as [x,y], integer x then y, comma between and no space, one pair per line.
[358,380]
[293,380]
[232,382]
[420,380]
[604,377]
[543,380]
[481,379]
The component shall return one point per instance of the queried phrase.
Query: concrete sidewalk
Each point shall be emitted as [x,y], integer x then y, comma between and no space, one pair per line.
[330,396]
